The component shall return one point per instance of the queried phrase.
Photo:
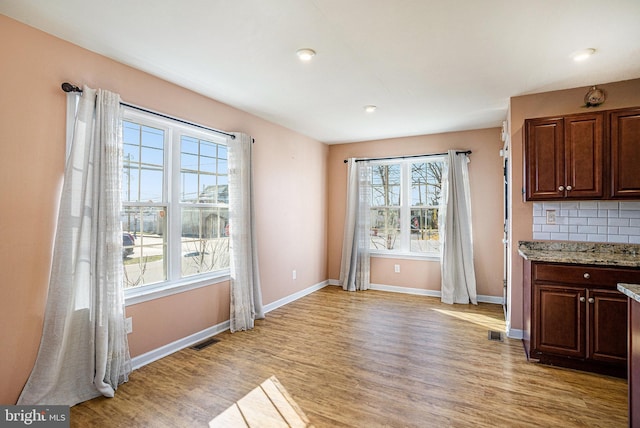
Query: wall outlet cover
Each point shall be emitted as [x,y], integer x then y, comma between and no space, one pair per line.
[551,216]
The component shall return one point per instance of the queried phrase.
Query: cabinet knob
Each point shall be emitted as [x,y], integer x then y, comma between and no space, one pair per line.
[561,188]
[569,188]
[582,299]
[591,300]
[586,275]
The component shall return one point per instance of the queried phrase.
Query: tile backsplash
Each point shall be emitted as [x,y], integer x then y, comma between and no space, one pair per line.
[589,221]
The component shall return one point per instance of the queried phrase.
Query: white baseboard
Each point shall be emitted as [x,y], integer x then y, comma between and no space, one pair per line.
[405,290]
[170,348]
[514,333]
[185,342]
[295,296]
[497,300]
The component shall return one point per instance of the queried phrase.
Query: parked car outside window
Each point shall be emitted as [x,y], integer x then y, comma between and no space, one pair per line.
[128,241]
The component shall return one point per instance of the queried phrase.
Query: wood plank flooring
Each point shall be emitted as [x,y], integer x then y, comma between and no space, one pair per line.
[367,359]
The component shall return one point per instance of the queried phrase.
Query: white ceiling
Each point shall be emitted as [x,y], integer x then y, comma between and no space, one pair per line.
[429,65]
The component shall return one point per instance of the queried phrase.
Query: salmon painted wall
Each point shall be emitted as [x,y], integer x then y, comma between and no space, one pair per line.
[619,95]
[291,195]
[486,178]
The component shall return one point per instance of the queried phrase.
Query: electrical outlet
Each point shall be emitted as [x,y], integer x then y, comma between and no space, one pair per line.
[294,275]
[396,268]
[551,216]
[128,324]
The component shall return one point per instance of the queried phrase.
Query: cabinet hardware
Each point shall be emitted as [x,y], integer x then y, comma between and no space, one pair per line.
[591,300]
[586,275]
[561,188]
[569,188]
[582,299]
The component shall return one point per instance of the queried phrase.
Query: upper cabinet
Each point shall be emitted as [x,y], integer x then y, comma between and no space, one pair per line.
[625,153]
[583,156]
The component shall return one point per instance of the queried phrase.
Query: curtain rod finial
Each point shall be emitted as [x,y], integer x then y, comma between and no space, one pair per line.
[68,87]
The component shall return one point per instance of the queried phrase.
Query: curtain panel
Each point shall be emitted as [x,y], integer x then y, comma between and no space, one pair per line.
[457,268]
[84,351]
[355,264]
[246,296]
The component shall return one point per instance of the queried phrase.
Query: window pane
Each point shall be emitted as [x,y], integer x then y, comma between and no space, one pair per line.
[205,240]
[222,164]
[130,180]
[189,162]
[200,163]
[393,194]
[418,184]
[144,245]
[378,196]
[209,193]
[189,145]
[189,187]
[152,137]
[143,163]
[208,149]
[151,184]
[426,181]
[385,228]
[223,190]
[386,184]
[424,230]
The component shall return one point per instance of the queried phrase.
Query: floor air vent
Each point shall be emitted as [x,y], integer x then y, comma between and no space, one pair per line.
[495,335]
[200,346]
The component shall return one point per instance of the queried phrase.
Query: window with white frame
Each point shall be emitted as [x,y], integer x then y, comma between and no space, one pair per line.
[406,194]
[175,216]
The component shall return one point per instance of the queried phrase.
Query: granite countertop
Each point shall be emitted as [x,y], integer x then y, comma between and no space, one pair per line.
[631,290]
[588,253]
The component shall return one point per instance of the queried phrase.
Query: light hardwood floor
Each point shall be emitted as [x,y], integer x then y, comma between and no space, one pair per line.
[367,359]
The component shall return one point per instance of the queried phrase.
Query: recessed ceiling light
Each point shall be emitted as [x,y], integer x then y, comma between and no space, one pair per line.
[582,54]
[370,108]
[305,54]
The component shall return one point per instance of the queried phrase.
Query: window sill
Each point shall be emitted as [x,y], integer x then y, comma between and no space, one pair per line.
[141,294]
[406,256]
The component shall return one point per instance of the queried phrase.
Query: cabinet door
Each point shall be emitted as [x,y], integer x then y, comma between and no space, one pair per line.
[584,156]
[544,159]
[559,317]
[607,326]
[625,153]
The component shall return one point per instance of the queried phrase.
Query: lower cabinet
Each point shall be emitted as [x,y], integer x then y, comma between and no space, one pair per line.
[575,317]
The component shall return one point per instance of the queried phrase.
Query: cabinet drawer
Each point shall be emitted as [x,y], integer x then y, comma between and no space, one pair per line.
[584,275]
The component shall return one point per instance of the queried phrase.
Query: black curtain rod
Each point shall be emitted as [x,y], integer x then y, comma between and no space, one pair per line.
[68,87]
[462,152]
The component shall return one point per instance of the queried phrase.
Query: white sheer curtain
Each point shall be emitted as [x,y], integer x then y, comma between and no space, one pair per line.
[355,264]
[246,297]
[84,351]
[458,274]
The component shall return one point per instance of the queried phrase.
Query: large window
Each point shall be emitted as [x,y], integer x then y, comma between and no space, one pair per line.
[404,206]
[175,216]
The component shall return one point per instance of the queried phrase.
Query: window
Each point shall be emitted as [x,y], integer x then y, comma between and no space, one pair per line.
[175,195]
[404,206]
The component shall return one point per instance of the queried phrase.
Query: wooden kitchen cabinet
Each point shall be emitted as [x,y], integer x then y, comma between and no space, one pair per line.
[575,317]
[625,153]
[559,320]
[587,156]
[607,311]
[565,157]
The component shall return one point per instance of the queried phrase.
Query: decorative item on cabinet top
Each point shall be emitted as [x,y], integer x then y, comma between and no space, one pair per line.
[594,97]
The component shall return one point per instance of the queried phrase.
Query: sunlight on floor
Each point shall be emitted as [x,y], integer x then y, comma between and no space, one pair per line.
[268,405]
[479,319]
